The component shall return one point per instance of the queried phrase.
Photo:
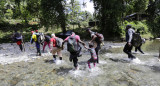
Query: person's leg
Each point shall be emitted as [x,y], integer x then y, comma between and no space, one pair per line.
[21,48]
[127,49]
[79,52]
[45,43]
[59,54]
[89,64]
[75,60]
[38,48]
[139,48]
[136,49]
[54,51]
[97,51]
[49,45]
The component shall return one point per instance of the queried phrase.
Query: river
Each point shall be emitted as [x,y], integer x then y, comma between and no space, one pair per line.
[114,69]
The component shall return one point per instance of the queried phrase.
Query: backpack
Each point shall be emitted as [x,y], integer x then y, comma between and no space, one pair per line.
[100,37]
[17,37]
[136,40]
[72,45]
[38,37]
[47,38]
[58,42]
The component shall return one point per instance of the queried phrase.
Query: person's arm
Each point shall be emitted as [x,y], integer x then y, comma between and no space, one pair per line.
[79,40]
[130,33]
[32,39]
[63,43]
[93,38]
[86,47]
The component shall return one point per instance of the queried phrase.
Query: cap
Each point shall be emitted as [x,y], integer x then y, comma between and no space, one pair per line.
[32,32]
[36,30]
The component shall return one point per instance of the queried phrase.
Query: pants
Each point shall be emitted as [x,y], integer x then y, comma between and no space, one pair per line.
[127,49]
[38,47]
[73,57]
[45,43]
[92,60]
[139,48]
[97,51]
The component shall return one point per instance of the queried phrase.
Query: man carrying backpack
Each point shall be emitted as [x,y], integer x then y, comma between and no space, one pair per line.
[73,47]
[97,39]
[35,38]
[17,37]
[128,47]
[56,47]
[46,41]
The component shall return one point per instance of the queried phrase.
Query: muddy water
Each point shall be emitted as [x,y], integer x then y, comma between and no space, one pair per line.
[115,69]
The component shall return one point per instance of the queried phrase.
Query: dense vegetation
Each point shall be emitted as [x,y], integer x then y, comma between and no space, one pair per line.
[61,15]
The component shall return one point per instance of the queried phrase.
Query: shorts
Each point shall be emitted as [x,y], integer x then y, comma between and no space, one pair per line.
[19,42]
[56,50]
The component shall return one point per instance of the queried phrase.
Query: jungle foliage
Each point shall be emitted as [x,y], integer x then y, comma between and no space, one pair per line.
[67,14]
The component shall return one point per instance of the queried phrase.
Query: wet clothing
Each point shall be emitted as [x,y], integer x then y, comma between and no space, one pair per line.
[93,58]
[127,49]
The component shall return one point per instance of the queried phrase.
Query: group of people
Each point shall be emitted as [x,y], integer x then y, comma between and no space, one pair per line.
[56,44]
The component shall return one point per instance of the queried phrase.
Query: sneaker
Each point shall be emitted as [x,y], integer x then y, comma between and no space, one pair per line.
[77,68]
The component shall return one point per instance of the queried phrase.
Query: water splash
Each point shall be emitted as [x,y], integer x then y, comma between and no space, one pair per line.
[60,62]
[95,71]
[77,73]
[137,61]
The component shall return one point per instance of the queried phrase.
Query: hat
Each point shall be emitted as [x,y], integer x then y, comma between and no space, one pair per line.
[36,30]
[129,26]
[32,32]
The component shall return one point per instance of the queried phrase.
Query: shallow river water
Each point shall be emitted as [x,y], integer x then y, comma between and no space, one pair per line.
[114,69]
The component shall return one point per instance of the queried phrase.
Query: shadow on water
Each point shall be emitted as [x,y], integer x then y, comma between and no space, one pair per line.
[49,61]
[63,71]
[119,60]
[155,68]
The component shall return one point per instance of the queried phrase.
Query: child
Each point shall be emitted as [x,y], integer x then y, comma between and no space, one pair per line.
[93,58]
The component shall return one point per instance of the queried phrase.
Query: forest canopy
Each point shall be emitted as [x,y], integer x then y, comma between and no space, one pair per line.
[112,15]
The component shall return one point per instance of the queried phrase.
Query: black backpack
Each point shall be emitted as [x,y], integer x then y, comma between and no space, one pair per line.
[136,40]
[47,38]
[72,45]
[17,37]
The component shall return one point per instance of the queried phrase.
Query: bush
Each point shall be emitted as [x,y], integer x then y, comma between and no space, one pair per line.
[140,26]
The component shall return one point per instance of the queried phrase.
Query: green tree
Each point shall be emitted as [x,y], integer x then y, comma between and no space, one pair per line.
[53,12]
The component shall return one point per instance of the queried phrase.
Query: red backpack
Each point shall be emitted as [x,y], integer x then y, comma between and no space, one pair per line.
[100,37]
